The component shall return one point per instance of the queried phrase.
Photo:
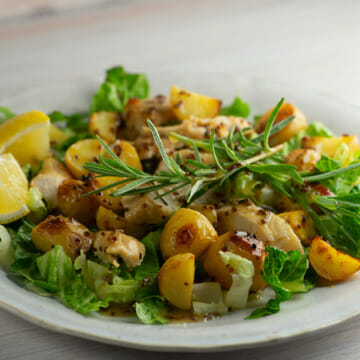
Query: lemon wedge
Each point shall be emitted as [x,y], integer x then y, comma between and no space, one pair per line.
[13,190]
[26,136]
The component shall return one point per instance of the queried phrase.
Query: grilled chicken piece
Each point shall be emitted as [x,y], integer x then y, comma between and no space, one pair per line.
[52,174]
[109,246]
[144,209]
[136,112]
[267,227]
[197,128]
[303,159]
[147,149]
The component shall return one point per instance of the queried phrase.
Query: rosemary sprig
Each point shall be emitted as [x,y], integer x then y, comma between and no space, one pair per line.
[231,155]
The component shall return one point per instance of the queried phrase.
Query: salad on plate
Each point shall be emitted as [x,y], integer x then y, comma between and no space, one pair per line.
[175,207]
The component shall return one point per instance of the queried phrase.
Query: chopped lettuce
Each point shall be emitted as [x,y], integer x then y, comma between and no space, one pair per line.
[151,310]
[38,210]
[118,87]
[208,299]
[286,273]
[105,283]
[341,184]
[57,270]
[7,255]
[237,108]
[5,114]
[243,271]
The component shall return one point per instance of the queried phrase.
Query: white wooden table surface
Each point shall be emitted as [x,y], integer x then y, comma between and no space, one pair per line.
[315,44]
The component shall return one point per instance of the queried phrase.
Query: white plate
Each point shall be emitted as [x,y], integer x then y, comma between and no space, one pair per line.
[316,310]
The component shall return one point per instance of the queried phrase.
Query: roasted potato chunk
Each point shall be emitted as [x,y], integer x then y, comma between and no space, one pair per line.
[109,246]
[302,224]
[187,231]
[239,243]
[67,232]
[136,112]
[208,210]
[72,203]
[303,159]
[297,124]
[105,124]
[52,174]
[106,219]
[78,154]
[186,104]
[330,263]
[176,279]
[329,146]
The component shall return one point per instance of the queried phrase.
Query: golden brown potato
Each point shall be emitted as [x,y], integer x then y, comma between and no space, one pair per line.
[127,154]
[186,104]
[329,146]
[187,231]
[105,124]
[176,279]
[208,210]
[67,232]
[52,174]
[78,154]
[330,263]
[72,204]
[239,243]
[301,223]
[137,111]
[303,159]
[106,219]
[109,246]
[297,124]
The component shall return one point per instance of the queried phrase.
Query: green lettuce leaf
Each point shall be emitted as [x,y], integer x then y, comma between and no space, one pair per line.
[118,87]
[146,274]
[341,184]
[237,108]
[38,209]
[56,269]
[151,310]
[105,282]
[5,114]
[208,299]
[285,273]
[7,256]
[243,271]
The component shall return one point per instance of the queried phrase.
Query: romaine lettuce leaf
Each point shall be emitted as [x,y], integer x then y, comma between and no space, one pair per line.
[285,273]
[237,108]
[118,87]
[151,310]
[38,210]
[243,271]
[5,114]
[7,255]
[208,299]
[57,270]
